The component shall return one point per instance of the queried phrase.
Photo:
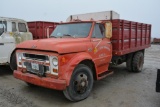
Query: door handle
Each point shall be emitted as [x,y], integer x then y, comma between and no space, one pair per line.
[95,40]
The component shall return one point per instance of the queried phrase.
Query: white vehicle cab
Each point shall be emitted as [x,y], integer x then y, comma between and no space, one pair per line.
[12,31]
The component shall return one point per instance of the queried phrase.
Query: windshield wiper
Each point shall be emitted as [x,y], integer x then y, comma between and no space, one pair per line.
[68,35]
[53,36]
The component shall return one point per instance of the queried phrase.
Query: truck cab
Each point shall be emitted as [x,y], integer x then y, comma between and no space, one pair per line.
[12,32]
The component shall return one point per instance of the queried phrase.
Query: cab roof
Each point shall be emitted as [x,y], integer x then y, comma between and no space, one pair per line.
[81,21]
[11,19]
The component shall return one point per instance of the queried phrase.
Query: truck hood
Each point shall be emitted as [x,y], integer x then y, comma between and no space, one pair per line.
[60,45]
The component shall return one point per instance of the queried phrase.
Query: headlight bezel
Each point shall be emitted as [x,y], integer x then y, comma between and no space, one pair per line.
[54,65]
[55,61]
[20,56]
[19,59]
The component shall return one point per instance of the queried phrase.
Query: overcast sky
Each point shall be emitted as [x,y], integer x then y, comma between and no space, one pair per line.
[146,11]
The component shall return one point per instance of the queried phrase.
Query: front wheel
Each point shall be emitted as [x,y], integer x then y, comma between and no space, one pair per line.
[81,84]
[13,62]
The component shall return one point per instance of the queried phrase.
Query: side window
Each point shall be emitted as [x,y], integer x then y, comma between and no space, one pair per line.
[22,27]
[98,31]
[3,27]
[14,27]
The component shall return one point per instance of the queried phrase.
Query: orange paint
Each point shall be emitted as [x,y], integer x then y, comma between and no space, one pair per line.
[72,51]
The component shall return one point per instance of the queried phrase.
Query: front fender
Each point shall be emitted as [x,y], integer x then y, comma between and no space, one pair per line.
[67,73]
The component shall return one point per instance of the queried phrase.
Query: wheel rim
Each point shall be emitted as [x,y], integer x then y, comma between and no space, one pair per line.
[80,83]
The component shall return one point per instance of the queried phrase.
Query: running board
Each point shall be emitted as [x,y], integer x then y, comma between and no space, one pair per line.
[107,73]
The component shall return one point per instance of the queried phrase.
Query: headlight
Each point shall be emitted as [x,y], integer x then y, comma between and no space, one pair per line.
[19,56]
[54,65]
[55,62]
[19,59]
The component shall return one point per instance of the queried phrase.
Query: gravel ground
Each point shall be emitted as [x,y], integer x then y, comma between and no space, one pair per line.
[122,89]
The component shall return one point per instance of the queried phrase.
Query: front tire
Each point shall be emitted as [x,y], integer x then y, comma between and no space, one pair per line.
[129,62]
[81,84]
[13,62]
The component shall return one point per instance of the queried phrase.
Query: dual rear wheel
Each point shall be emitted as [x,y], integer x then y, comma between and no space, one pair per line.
[135,62]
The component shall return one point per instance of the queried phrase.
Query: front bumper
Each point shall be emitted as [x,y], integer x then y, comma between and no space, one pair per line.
[41,81]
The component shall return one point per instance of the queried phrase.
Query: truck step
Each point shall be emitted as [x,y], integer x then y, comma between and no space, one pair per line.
[107,73]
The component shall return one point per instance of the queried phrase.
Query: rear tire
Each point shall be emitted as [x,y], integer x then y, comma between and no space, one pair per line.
[129,62]
[138,60]
[81,84]
[13,62]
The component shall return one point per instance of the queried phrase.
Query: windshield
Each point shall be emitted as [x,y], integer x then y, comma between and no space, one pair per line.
[73,30]
[2,27]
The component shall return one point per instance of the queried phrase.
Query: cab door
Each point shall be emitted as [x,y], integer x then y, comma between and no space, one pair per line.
[7,42]
[102,48]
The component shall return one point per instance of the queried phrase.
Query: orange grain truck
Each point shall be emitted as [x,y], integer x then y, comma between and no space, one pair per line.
[80,51]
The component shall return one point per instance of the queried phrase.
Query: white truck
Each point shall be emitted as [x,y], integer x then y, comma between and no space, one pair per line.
[12,31]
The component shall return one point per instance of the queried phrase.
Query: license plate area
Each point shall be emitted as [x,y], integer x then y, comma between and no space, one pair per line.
[35,66]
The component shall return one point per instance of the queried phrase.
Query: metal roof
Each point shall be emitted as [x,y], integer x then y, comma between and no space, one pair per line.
[10,19]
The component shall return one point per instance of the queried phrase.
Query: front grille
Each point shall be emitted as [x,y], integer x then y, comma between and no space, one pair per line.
[35,57]
[30,60]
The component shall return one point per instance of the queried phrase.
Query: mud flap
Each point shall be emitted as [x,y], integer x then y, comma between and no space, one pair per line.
[158,81]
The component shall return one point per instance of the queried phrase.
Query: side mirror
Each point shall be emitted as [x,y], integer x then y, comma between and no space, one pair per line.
[108,30]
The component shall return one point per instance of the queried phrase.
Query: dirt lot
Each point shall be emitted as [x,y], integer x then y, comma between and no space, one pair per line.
[122,89]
